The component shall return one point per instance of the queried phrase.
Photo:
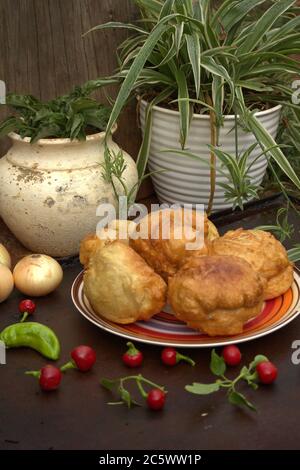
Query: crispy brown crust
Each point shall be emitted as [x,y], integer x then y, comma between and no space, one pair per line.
[165,256]
[278,285]
[87,247]
[265,254]
[121,287]
[92,242]
[216,294]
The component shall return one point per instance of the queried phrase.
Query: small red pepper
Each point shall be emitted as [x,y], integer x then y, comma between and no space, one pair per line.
[133,357]
[267,372]
[170,357]
[26,307]
[49,377]
[83,359]
[232,355]
[156,399]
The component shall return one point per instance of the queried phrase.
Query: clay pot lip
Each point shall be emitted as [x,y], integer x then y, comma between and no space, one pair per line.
[62,141]
[206,117]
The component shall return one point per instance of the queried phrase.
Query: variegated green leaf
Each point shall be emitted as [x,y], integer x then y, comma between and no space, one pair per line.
[264,24]
[184,107]
[194,52]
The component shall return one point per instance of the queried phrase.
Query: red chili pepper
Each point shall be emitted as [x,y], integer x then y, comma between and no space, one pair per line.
[83,359]
[133,357]
[49,377]
[171,357]
[232,355]
[156,399]
[267,372]
[26,307]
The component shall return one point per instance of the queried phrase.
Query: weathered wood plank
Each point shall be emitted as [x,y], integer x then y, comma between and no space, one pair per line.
[42,52]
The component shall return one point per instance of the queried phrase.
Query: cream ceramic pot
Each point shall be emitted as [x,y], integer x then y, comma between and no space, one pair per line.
[49,191]
[188,180]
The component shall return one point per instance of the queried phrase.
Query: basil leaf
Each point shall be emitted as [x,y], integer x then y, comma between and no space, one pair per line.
[108,384]
[238,399]
[202,389]
[9,125]
[217,364]
[244,371]
[125,395]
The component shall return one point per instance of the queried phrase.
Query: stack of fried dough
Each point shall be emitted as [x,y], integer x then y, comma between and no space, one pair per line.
[215,286]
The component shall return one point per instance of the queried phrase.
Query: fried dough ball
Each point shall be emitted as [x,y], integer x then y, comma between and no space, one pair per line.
[165,254]
[265,254]
[212,231]
[115,230]
[88,246]
[216,294]
[121,287]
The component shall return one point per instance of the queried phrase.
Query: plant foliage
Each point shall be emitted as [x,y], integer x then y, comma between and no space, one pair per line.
[235,55]
[70,116]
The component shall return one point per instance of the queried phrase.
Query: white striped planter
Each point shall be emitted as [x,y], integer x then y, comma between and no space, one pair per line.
[188,180]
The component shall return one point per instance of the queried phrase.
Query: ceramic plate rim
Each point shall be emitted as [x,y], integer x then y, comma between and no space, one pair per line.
[213,343]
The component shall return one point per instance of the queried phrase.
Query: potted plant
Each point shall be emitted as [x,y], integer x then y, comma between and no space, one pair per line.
[61,166]
[208,73]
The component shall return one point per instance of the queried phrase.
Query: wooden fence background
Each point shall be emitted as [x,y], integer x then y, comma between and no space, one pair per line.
[42,51]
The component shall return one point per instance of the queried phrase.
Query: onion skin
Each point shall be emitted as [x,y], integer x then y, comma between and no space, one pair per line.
[6,282]
[5,256]
[37,275]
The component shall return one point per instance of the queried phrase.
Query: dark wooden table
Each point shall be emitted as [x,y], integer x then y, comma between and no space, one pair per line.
[77,416]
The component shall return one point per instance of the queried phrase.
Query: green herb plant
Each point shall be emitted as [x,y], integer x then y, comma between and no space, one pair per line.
[211,57]
[218,368]
[113,168]
[288,135]
[282,229]
[70,116]
[125,397]
[294,253]
[235,172]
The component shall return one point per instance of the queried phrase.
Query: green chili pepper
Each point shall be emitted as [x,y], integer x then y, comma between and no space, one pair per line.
[32,335]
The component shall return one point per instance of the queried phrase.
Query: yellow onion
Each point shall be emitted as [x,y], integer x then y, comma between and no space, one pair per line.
[5,256]
[6,282]
[37,275]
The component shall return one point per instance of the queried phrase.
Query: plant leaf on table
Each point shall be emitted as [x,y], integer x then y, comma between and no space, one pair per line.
[218,368]
[202,389]
[217,364]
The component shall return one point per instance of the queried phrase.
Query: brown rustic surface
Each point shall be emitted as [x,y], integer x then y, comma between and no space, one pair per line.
[77,416]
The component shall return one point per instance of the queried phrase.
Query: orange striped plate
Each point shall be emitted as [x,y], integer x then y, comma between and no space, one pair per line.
[165,330]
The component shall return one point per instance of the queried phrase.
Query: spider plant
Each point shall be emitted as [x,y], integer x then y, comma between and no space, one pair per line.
[294,253]
[288,135]
[113,168]
[282,228]
[238,189]
[211,57]
[74,115]
[235,169]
